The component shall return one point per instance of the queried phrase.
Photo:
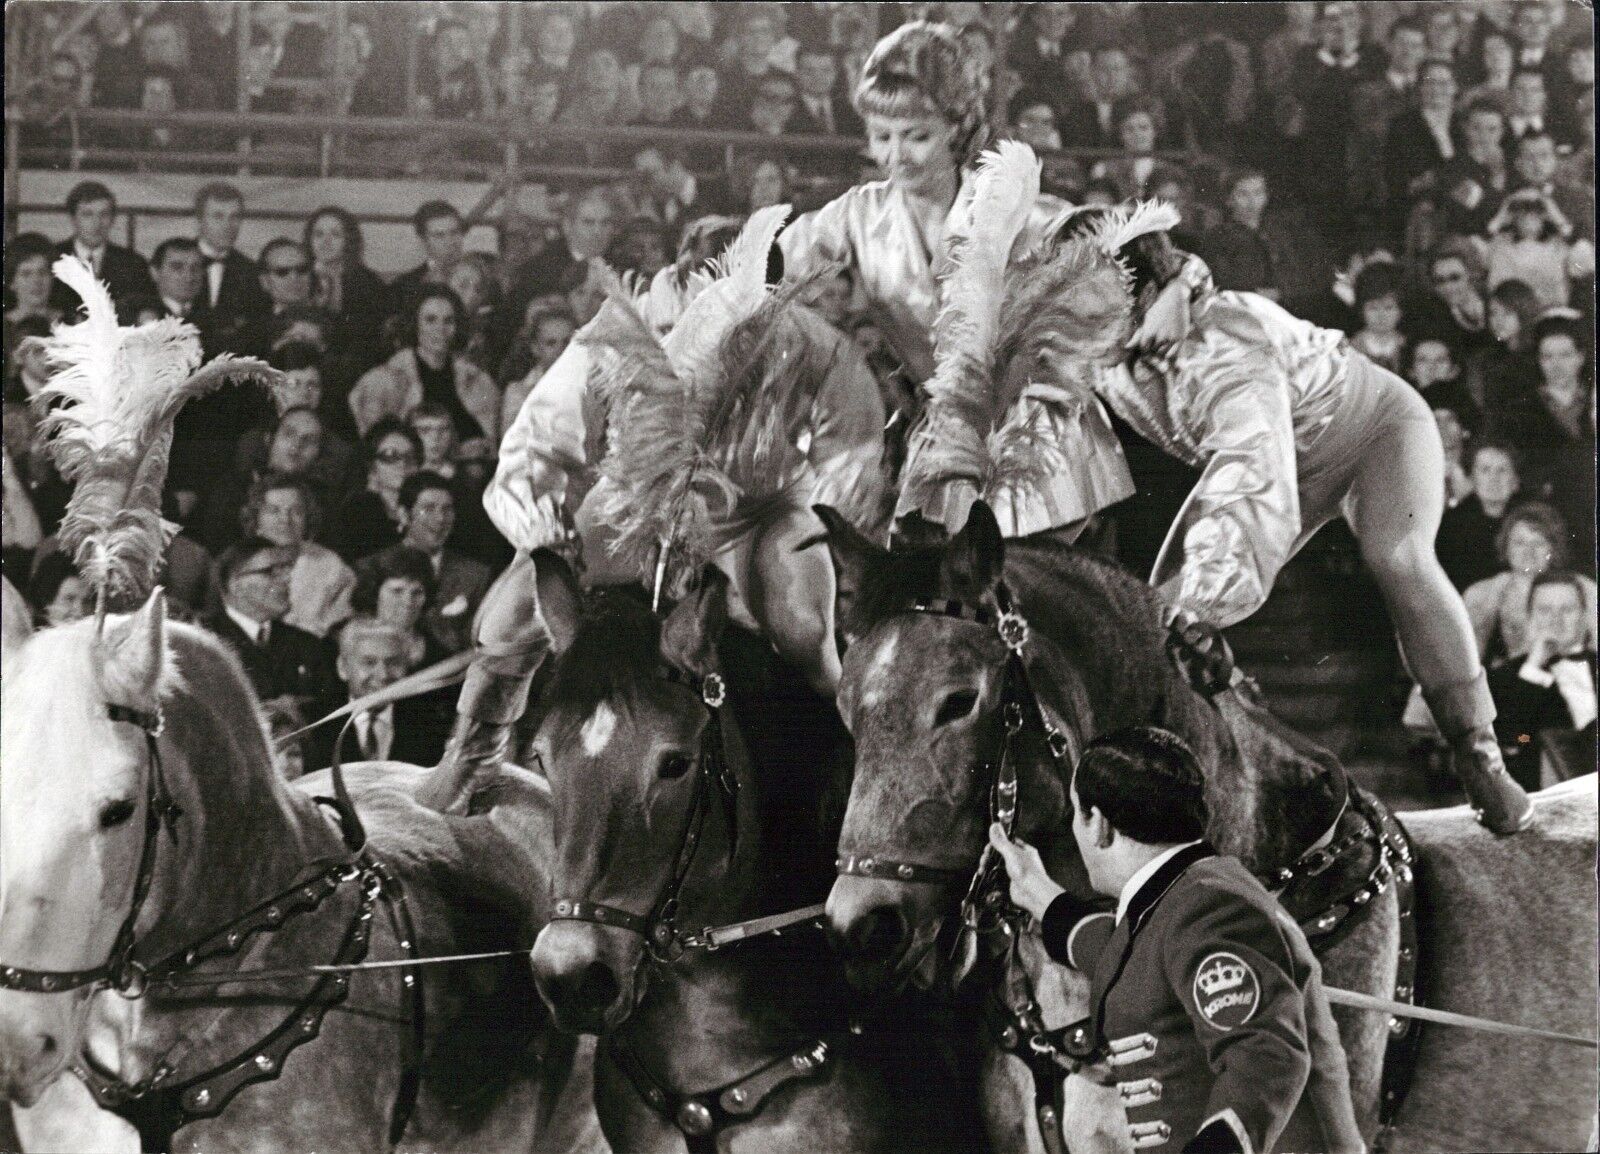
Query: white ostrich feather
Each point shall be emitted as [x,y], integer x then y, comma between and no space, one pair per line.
[1124,223]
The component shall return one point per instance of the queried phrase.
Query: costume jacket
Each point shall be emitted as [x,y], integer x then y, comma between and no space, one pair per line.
[1208,1006]
[872,230]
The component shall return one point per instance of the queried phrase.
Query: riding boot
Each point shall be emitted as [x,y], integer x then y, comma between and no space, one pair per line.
[1465,713]
[509,645]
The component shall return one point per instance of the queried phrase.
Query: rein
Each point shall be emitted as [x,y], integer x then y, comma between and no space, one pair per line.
[659,928]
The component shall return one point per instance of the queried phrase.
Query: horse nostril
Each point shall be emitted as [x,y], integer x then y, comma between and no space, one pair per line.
[879,933]
[597,987]
[47,1045]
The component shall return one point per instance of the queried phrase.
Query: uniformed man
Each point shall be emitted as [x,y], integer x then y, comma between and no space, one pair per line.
[1206,1002]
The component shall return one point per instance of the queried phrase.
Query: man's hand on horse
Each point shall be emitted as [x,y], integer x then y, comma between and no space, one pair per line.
[1031,887]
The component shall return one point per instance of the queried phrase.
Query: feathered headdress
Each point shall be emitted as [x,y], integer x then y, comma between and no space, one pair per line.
[1051,317]
[121,389]
[706,425]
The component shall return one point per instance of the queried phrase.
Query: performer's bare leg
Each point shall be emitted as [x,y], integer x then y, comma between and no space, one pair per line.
[1395,506]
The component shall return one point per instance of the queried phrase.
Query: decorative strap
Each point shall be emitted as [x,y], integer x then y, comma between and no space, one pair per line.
[578,910]
[871,866]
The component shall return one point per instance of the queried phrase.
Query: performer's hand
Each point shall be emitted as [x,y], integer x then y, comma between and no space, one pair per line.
[1031,887]
[1165,323]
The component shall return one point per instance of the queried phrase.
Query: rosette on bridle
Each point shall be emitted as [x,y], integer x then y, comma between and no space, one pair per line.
[114,396]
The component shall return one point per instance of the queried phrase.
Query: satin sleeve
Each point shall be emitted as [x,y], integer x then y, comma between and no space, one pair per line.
[545,443]
[820,237]
[1238,526]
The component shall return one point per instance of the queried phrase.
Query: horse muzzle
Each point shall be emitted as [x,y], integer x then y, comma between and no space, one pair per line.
[33,1050]
[587,975]
[881,928]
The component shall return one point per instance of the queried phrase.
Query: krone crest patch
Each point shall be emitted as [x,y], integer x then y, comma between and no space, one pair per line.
[1226,990]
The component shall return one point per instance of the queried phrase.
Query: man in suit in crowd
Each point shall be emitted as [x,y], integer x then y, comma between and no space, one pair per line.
[280,660]
[373,655]
[428,515]
[285,280]
[93,210]
[1038,48]
[1550,687]
[232,290]
[179,275]
[1536,165]
[823,110]
[588,224]
[443,234]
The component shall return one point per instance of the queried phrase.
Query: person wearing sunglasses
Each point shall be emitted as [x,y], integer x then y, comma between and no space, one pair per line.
[285,273]
[369,520]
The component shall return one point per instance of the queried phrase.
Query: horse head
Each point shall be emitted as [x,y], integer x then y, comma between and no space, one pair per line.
[643,778]
[77,786]
[922,694]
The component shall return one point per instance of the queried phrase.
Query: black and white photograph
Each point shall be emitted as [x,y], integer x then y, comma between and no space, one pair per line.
[684,577]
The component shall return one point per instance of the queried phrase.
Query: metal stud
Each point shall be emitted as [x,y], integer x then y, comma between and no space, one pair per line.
[47,983]
[160,1074]
[1286,874]
[655,1096]
[905,871]
[233,938]
[405,943]
[264,1061]
[308,1023]
[1397,1026]
[410,980]
[1361,897]
[201,1097]
[1402,993]
[1327,921]
[857,1028]
[736,1096]
[274,915]
[563,908]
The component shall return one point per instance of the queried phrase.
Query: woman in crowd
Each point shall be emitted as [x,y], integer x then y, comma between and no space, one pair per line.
[1556,426]
[293,447]
[1378,292]
[431,367]
[283,509]
[369,520]
[58,593]
[1467,531]
[398,587]
[28,282]
[1532,540]
[352,294]
[1503,370]
[473,280]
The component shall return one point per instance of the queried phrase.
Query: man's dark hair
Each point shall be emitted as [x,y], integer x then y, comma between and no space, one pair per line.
[1148,784]
[274,245]
[1557,577]
[1492,443]
[431,211]
[236,556]
[171,245]
[293,355]
[88,192]
[419,483]
[1535,137]
[217,190]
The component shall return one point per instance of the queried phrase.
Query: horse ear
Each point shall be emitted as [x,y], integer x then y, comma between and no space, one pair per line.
[132,652]
[16,620]
[691,631]
[977,554]
[850,552]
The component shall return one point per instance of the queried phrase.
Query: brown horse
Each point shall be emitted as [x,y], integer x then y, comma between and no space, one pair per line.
[689,766]
[922,694]
[139,792]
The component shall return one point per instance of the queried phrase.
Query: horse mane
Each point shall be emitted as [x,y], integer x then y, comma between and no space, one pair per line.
[617,646]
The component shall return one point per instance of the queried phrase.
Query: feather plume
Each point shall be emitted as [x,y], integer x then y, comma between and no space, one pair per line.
[1124,223]
[120,391]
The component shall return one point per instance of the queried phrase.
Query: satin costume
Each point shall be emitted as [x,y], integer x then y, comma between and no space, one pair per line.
[870,229]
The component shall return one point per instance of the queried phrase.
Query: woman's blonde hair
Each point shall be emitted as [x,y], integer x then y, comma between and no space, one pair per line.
[921,69]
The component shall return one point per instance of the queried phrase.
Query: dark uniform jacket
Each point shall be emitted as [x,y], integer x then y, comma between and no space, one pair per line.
[1207,1003]
[293,663]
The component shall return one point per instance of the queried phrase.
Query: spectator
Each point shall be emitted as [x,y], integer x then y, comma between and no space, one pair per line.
[1378,302]
[1112,80]
[117,62]
[443,234]
[352,295]
[1530,24]
[279,659]
[640,249]
[284,722]
[1419,139]
[20,530]
[290,446]
[659,96]
[436,432]
[1497,61]
[304,387]
[1436,371]
[164,51]
[233,291]
[1551,684]
[544,337]
[281,48]
[1468,189]
[1560,428]
[28,286]
[57,591]
[1033,121]
[1504,370]
[1037,49]
[369,520]
[1569,121]
[1532,540]
[703,108]
[554,39]
[1530,240]
[473,280]
[1468,531]
[597,99]
[92,209]
[373,655]
[1526,111]
[1214,87]
[1536,168]
[756,49]
[1325,80]
[283,509]
[398,588]
[823,109]
[214,49]
[587,226]
[285,279]
[1442,33]
[1240,255]
[1281,50]
[428,517]
[1457,307]
[1453,438]
[1139,121]
[772,105]
[453,85]
[755,180]
[179,272]
[664,192]
[430,367]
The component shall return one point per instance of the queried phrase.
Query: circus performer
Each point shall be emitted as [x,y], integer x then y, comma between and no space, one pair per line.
[924,96]
[1292,428]
[550,461]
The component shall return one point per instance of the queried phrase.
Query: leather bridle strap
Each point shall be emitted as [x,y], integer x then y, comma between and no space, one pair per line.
[119,968]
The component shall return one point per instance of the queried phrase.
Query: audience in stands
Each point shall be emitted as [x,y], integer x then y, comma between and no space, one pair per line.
[283,509]
[443,235]
[179,272]
[1532,540]
[544,337]
[397,586]
[1469,529]
[354,296]
[279,659]
[57,592]
[28,286]
[430,366]
[373,655]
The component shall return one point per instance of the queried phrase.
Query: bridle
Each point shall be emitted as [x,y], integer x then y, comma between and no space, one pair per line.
[119,971]
[1019,705]
[713,779]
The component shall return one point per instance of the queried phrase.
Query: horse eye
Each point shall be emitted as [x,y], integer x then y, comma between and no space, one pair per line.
[955,707]
[672,766]
[114,813]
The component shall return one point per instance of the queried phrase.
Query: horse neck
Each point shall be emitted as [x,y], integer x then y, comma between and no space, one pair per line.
[244,834]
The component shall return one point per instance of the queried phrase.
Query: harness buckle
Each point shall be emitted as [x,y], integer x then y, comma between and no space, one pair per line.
[713,690]
[131,980]
[1013,630]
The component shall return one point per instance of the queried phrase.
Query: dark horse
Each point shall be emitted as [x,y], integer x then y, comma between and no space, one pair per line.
[690,769]
[922,695]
